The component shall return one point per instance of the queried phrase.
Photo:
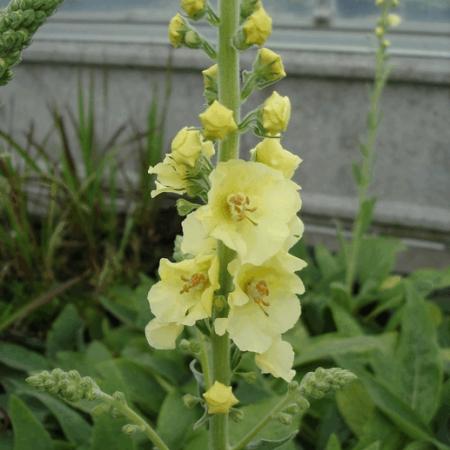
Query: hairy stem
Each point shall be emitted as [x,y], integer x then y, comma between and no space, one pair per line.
[229,96]
[135,419]
[365,177]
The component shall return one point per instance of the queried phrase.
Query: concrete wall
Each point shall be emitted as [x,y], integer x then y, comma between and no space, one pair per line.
[329,93]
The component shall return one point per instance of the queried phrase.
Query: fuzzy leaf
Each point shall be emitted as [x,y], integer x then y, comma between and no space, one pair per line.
[173,411]
[20,358]
[418,354]
[29,433]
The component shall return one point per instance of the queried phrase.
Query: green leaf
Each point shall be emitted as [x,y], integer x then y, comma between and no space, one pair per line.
[136,383]
[6,441]
[273,431]
[377,258]
[326,262]
[374,446]
[266,444]
[20,358]
[28,432]
[418,354]
[330,345]
[399,412]
[418,446]
[356,407]
[66,332]
[75,427]
[333,443]
[107,434]
[173,411]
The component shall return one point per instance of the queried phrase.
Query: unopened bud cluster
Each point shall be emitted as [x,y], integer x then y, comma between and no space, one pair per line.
[18,23]
[387,20]
[322,381]
[70,386]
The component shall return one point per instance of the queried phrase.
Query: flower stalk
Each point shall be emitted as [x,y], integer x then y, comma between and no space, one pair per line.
[363,173]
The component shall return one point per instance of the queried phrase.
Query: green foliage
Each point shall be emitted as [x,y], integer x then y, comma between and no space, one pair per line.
[88,224]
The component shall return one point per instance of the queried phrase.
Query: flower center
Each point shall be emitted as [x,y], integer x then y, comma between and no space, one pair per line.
[196,282]
[239,207]
[258,291]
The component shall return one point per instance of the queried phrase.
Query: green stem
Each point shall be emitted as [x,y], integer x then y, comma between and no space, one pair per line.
[136,419]
[368,152]
[229,96]
[204,360]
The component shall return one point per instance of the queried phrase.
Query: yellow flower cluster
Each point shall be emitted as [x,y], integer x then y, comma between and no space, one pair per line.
[251,208]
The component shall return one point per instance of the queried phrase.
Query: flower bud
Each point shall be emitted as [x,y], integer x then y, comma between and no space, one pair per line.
[187,146]
[130,429]
[237,415]
[195,9]
[276,113]
[393,20]
[268,67]
[191,401]
[177,30]
[270,152]
[379,31]
[219,398]
[255,30]
[210,83]
[284,418]
[293,408]
[217,121]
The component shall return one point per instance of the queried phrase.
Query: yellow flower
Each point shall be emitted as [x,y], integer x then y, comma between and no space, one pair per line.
[258,27]
[270,65]
[188,145]
[172,174]
[193,7]
[170,177]
[379,2]
[250,207]
[270,152]
[220,398]
[210,76]
[264,303]
[217,121]
[186,290]
[162,336]
[195,239]
[394,20]
[277,360]
[177,29]
[276,113]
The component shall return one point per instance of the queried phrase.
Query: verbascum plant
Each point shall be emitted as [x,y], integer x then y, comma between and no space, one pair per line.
[18,23]
[234,283]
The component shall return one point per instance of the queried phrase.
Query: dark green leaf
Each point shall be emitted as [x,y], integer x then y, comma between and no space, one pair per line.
[333,443]
[66,332]
[377,258]
[356,407]
[29,433]
[21,358]
[107,434]
[419,358]
[333,344]
[173,411]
